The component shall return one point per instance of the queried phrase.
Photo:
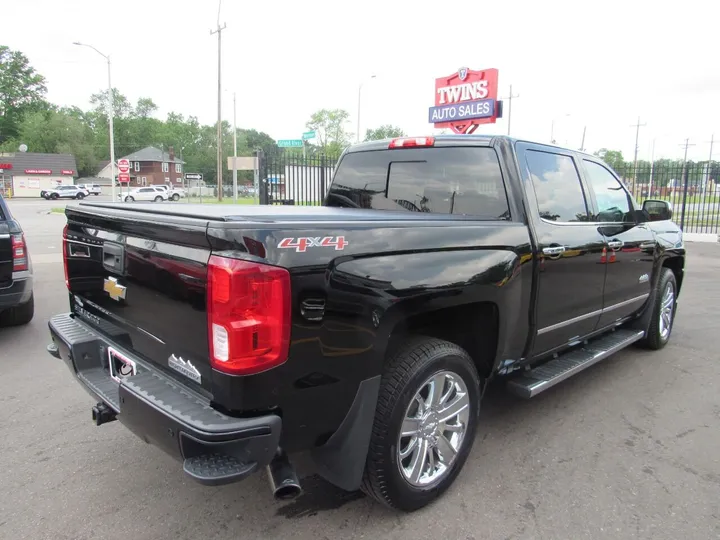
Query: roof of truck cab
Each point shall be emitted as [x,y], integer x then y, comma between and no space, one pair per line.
[454,140]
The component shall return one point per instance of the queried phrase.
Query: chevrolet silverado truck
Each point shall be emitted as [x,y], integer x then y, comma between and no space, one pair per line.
[364,331]
[17,305]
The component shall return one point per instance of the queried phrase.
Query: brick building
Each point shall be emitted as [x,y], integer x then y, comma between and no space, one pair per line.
[151,166]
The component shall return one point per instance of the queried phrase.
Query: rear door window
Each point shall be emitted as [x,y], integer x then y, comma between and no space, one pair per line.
[559,193]
[462,181]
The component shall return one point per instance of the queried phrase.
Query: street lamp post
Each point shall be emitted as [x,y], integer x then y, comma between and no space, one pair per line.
[357,139]
[110,117]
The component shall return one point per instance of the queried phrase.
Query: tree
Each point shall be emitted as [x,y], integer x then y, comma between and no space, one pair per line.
[614,158]
[386,131]
[22,90]
[329,128]
[145,107]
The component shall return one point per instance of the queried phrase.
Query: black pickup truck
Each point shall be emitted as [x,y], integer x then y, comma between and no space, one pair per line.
[364,331]
[16,278]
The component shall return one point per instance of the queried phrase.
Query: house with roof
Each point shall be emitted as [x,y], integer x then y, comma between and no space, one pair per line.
[26,174]
[151,166]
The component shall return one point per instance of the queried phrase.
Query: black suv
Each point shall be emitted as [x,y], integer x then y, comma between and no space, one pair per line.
[16,279]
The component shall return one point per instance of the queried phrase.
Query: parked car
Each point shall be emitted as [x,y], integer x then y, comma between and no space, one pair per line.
[152,193]
[173,193]
[17,304]
[92,189]
[65,192]
[364,332]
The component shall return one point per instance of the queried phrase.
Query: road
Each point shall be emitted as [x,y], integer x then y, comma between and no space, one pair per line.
[626,449]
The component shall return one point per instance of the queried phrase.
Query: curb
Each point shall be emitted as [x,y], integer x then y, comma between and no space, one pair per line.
[701,237]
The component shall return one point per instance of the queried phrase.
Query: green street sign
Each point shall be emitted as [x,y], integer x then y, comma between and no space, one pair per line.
[308,135]
[290,143]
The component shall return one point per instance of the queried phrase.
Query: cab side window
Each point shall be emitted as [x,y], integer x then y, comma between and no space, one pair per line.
[557,186]
[612,199]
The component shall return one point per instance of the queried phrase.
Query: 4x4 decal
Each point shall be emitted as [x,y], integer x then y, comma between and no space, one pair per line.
[303,243]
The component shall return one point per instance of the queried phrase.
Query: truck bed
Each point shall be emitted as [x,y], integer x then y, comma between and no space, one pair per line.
[262,213]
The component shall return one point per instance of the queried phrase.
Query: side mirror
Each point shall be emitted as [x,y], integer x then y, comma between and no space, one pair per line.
[658,210]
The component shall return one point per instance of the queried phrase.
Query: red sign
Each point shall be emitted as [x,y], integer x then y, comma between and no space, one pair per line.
[123,165]
[466,99]
[124,178]
[38,171]
[5,166]
[68,171]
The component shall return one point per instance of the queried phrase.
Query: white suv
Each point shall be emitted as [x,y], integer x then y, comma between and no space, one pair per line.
[150,193]
[65,192]
[173,193]
[92,189]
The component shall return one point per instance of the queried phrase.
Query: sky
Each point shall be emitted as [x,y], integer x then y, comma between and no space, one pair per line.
[574,65]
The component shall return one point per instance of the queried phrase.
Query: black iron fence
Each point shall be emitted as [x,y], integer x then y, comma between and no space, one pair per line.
[693,189]
[295,180]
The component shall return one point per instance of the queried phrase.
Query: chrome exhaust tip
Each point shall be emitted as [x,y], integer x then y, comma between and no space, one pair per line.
[284,482]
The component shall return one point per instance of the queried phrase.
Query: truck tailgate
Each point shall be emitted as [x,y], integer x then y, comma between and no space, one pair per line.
[139,279]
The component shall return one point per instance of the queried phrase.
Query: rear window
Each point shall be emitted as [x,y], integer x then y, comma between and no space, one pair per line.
[464,181]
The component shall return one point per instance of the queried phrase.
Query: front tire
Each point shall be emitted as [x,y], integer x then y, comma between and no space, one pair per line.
[19,315]
[54,196]
[80,196]
[425,424]
[663,315]
[158,199]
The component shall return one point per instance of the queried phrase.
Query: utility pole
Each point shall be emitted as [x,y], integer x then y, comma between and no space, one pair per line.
[510,98]
[582,143]
[652,170]
[706,184]
[637,138]
[235,145]
[685,176]
[218,31]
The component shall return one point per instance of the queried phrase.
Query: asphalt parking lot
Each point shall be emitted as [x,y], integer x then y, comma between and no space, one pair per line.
[626,449]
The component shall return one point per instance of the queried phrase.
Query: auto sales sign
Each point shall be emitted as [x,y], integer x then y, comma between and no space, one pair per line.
[466,99]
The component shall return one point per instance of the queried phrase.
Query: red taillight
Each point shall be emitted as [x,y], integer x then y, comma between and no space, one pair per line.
[19,251]
[248,308]
[65,256]
[412,142]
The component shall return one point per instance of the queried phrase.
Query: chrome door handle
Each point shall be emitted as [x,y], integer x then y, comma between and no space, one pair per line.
[615,244]
[554,250]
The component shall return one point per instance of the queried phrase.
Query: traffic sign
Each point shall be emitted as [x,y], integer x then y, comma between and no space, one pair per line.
[124,178]
[308,135]
[123,165]
[193,176]
[290,143]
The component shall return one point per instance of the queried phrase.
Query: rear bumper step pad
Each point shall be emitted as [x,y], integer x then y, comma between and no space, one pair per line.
[214,447]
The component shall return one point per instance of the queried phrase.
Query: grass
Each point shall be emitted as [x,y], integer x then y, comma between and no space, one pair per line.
[677,199]
[57,210]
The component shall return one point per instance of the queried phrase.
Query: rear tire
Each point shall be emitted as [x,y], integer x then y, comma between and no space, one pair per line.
[129,199]
[175,197]
[410,471]
[663,316]
[19,315]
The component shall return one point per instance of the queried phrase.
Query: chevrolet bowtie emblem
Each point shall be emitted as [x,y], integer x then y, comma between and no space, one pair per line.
[114,289]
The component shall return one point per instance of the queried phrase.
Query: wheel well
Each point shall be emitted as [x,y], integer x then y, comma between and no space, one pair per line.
[474,327]
[676,264]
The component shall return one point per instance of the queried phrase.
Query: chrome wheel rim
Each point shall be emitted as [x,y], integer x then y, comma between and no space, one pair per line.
[433,429]
[667,306]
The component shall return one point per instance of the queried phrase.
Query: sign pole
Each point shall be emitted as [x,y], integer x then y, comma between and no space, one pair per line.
[234,169]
